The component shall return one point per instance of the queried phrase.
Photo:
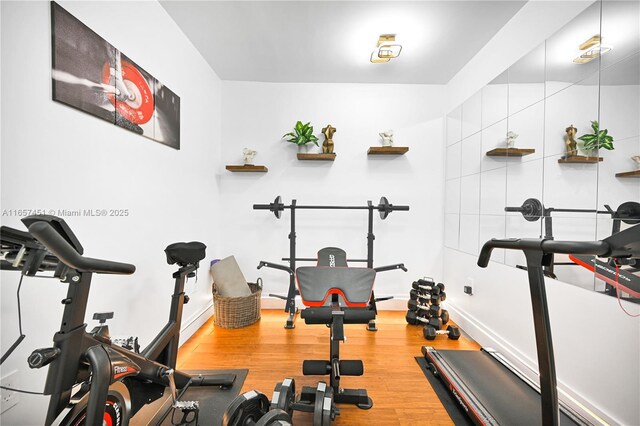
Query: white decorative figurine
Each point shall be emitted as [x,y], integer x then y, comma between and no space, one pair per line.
[248,155]
[511,139]
[636,158]
[387,138]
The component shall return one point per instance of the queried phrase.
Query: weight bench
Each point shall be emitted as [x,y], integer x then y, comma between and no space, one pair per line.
[336,295]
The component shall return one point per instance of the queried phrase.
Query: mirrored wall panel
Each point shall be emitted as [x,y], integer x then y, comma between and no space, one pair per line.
[551,148]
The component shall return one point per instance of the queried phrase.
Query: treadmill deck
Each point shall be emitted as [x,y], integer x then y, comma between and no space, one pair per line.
[508,399]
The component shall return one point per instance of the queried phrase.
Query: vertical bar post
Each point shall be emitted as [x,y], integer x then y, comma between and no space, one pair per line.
[371,326]
[291,296]
[544,342]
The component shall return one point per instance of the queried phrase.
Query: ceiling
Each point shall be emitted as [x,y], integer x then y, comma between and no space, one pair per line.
[331,41]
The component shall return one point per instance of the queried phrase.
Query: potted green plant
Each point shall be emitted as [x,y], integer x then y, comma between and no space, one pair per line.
[302,134]
[597,139]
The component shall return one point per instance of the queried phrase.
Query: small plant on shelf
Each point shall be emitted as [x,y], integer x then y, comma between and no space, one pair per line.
[597,139]
[302,134]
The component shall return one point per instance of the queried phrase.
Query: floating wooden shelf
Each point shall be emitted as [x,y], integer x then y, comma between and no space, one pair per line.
[247,168]
[580,159]
[510,152]
[387,150]
[316,157]
[633,174]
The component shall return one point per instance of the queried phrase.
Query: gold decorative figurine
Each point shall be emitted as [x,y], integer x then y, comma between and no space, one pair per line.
[570,144]
[327,146]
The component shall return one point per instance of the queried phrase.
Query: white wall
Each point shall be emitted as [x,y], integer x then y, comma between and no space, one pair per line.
[55,157]
[256,115]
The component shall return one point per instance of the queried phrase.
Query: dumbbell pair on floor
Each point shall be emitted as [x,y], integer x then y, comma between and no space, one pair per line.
[254,409]
[432,326]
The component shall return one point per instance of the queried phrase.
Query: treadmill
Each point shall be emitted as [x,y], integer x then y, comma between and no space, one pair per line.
[489,389]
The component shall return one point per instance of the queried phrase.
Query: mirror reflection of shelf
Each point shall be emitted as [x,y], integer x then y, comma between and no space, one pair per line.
[387,150]
[510,152]
[247,168]
[633,174]
[316,157]
[580,159]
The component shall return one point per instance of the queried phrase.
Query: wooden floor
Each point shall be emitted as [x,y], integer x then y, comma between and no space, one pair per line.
[400,392]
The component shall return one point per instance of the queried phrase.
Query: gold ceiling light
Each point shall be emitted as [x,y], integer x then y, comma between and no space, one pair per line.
[591,49]
[386,49]
[593,41]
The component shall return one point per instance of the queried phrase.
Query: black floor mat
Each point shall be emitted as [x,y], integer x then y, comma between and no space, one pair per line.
[213,401]
[452,406]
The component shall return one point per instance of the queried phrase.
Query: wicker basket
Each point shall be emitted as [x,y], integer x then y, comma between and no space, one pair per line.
[237,312]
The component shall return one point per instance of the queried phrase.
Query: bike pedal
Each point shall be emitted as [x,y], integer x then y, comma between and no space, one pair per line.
[187,405]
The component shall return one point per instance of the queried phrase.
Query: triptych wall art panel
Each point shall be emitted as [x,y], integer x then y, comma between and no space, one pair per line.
[89,74]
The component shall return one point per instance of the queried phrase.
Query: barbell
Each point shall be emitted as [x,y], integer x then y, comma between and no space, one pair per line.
[532,209]
[383,207]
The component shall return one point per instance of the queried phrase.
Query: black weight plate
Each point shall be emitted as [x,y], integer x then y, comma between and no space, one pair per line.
[275,418]
[250,406]
[276,395]
[321,391]
[383,208]
[276,204]
[327,408]
[629,212]
[287,396]
[532,209]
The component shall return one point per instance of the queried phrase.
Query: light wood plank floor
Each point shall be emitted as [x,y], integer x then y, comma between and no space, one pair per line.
[400,392]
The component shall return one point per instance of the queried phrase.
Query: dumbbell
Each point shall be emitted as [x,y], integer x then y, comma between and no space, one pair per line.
[444,316]
[252,409]
[430,282]
[413,318]
[425,286]
[429,310]
[425,298]
[452,332]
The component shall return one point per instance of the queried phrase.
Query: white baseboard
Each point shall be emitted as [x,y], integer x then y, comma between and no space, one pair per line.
[489,339]
[192,325]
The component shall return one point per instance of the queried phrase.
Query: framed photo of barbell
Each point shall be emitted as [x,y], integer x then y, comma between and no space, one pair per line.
[91,75]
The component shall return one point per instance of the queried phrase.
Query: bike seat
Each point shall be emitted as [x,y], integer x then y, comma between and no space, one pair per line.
[185,253]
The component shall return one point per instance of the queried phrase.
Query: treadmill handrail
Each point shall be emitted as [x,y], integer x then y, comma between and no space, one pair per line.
[596,248]
[61,248]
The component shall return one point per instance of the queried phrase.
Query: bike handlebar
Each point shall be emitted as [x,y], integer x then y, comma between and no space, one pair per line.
[60,248]
[596,248]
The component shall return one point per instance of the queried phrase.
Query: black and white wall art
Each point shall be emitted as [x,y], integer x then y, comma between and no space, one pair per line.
[89,74]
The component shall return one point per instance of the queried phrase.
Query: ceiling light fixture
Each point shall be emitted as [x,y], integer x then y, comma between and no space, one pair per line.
[386,49]
[592,49]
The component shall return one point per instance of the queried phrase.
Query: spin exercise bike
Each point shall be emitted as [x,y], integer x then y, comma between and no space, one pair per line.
[116,384]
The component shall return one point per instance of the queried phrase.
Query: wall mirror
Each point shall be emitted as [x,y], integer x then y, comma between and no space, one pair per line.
[588,72]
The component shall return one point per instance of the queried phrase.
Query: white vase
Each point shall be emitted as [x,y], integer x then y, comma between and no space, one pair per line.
[303,149]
